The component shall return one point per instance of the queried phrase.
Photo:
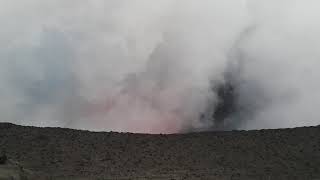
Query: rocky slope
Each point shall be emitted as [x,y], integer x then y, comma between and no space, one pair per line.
[55,153]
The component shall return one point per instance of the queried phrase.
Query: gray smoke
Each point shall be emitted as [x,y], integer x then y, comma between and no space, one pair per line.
[160,66]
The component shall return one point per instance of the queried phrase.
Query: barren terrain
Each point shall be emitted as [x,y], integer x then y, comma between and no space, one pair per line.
[56,153]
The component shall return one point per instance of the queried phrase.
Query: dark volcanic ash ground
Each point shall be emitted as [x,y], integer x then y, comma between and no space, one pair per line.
[55,153]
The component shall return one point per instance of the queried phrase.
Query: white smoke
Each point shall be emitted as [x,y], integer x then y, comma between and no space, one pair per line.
[148,66]
[283,61]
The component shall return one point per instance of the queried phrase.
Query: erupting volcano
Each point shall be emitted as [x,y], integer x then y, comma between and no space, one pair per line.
[165,66]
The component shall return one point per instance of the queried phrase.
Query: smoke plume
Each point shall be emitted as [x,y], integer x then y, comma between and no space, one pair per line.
[163,66]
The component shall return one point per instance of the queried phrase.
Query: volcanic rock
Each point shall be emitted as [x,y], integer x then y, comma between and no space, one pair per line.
[56,153]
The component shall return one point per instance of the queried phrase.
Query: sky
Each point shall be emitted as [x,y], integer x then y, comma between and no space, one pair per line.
[150,66]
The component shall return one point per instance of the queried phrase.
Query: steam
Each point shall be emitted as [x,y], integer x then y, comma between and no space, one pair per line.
[157,66]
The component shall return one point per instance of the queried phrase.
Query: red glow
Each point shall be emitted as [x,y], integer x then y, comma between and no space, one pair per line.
[147,113]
